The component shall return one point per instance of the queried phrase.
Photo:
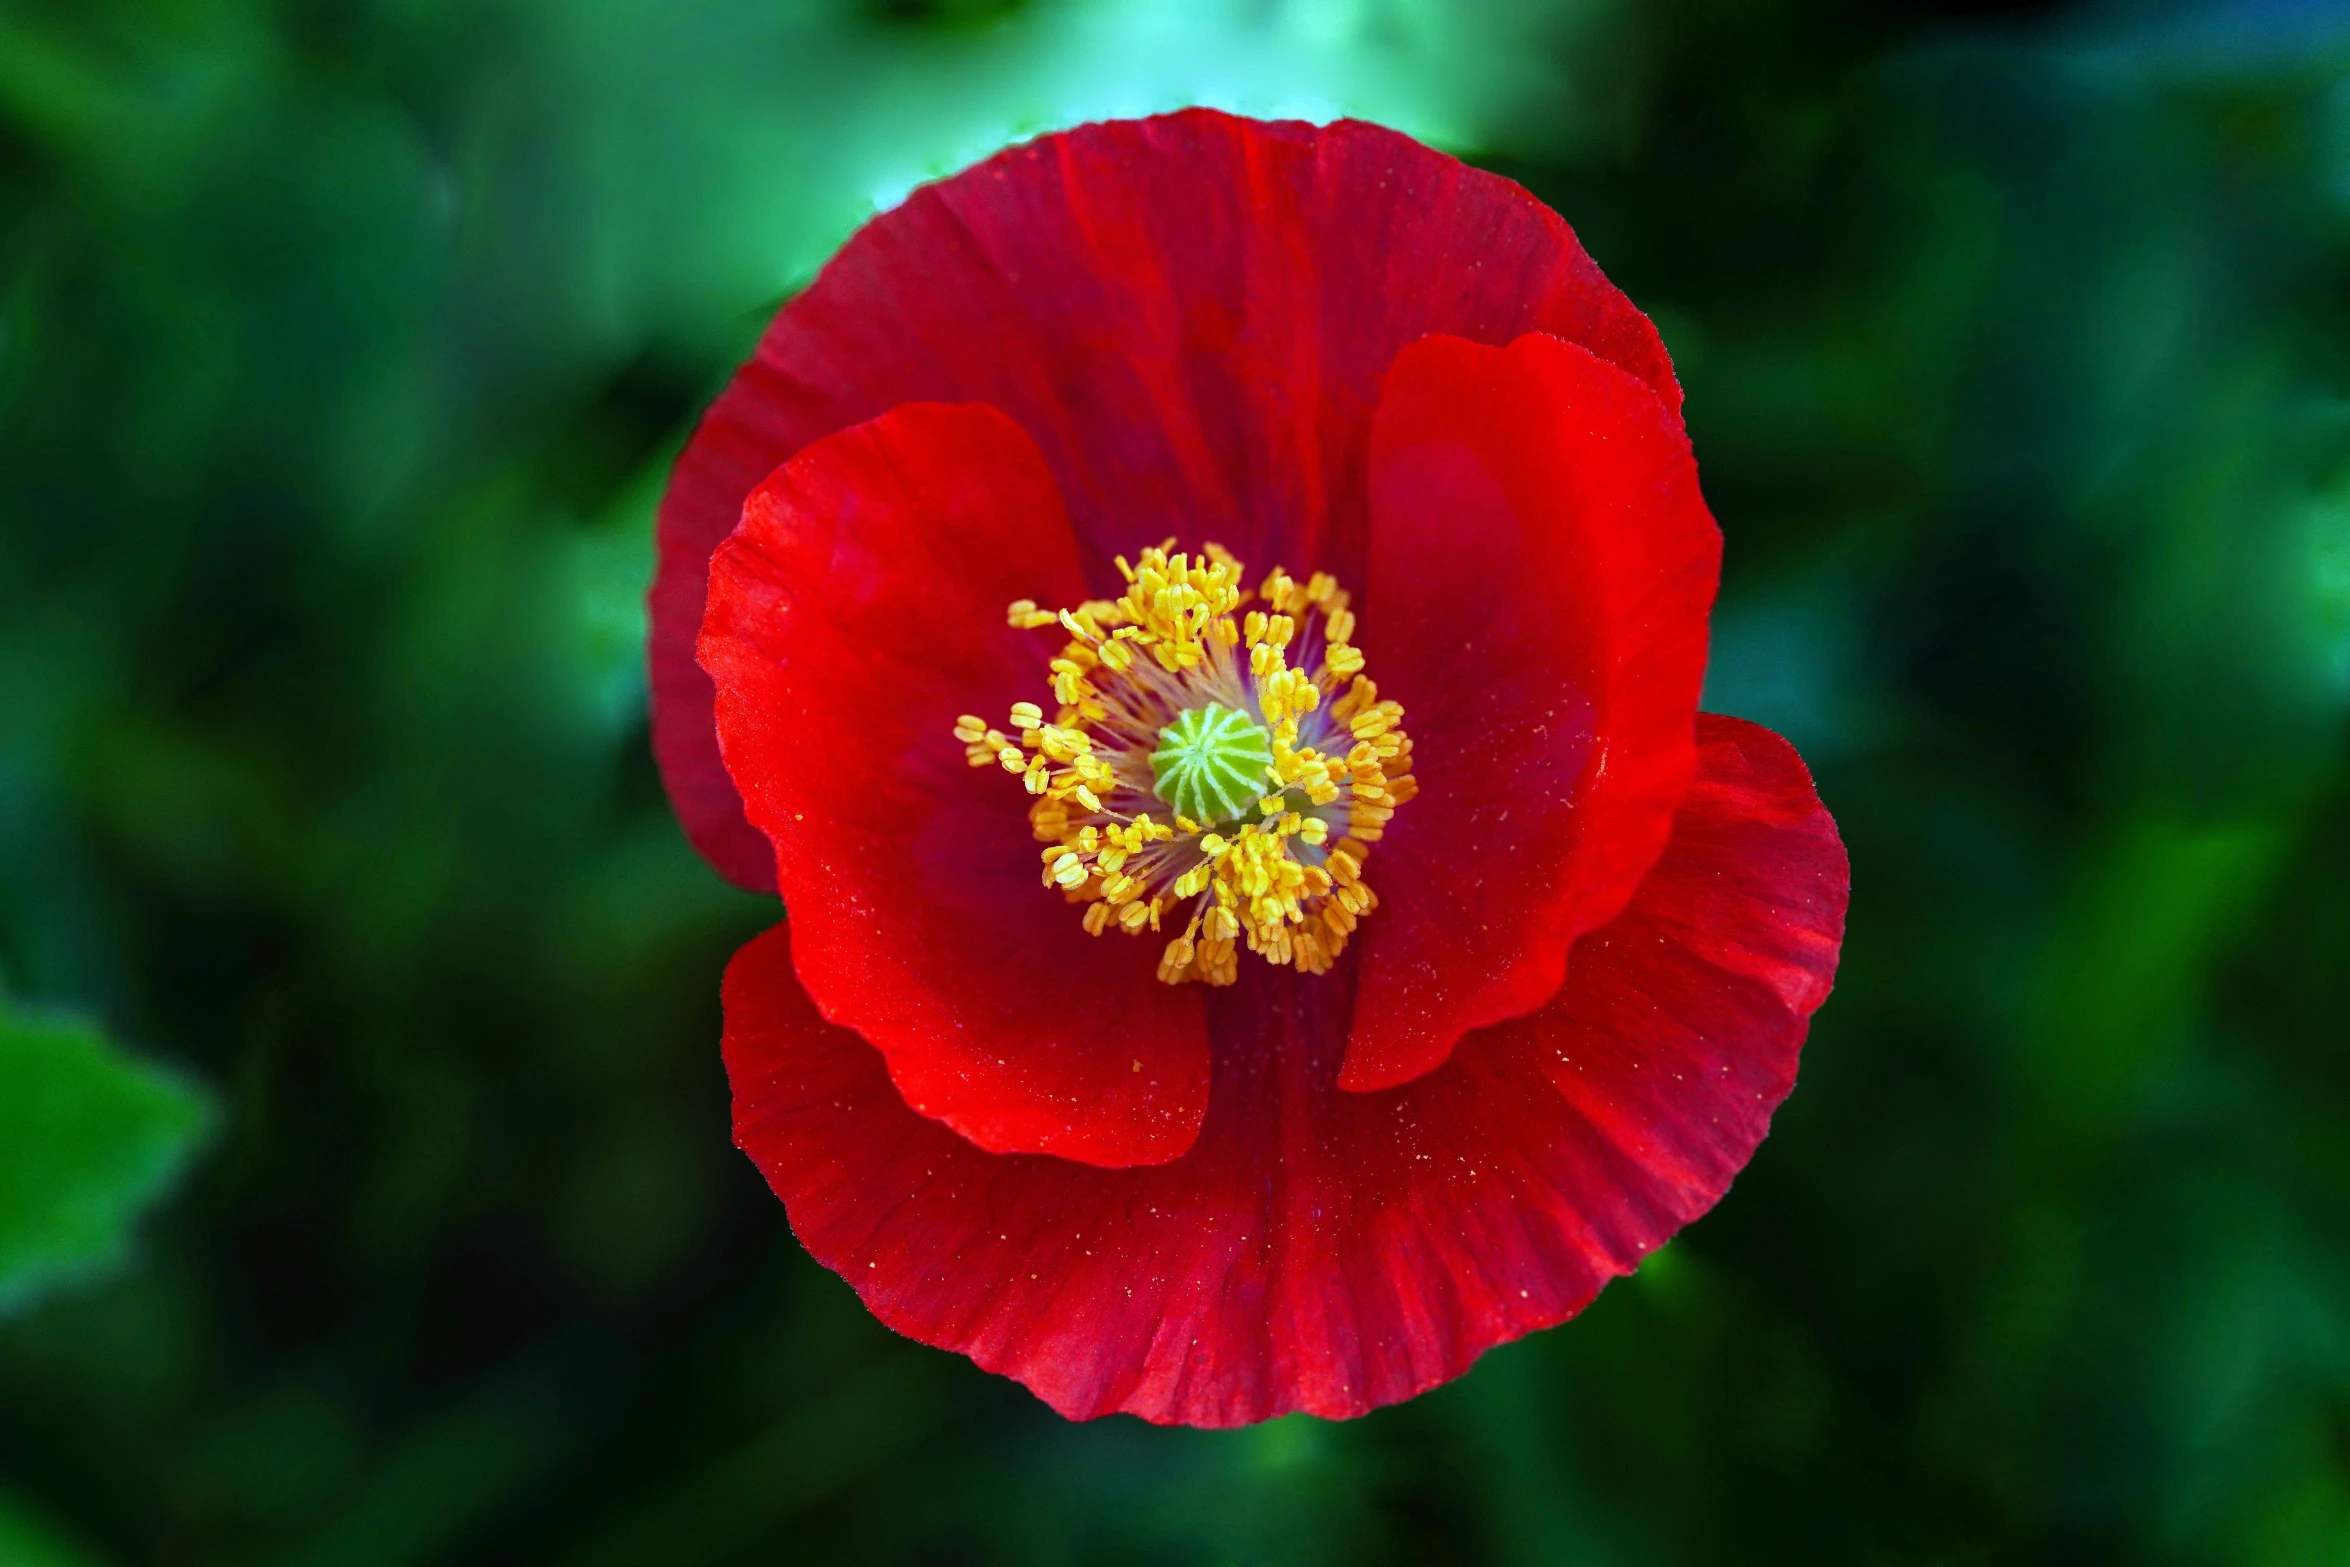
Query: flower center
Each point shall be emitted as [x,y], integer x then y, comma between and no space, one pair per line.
[1212,762]
[1217,764]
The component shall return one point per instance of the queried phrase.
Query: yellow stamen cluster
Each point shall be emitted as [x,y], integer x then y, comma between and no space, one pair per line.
[1282,873]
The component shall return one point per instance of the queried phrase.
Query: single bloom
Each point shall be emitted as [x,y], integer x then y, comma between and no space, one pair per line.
[1201,622]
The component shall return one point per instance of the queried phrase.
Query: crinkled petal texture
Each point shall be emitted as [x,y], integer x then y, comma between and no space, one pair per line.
[855,613]
[1317,1249]
[1541,570]
[1190,315]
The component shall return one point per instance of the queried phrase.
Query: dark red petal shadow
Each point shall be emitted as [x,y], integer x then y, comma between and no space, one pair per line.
[1541,569]
[1189,314]
[1317,1249]
[855,613]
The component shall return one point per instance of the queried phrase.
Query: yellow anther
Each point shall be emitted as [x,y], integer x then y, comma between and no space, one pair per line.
[1025,616]
[1060,744]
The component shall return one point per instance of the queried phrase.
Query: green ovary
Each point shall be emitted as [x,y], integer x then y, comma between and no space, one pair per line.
[1212,763]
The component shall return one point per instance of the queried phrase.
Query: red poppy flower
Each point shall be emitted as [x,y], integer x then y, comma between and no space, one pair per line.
[1354,948]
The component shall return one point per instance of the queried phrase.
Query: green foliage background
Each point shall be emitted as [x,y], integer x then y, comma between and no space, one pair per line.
[343,346]
[89,1137]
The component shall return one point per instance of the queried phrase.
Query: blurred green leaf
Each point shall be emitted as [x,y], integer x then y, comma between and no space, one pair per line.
[29,1542]
[26,1541]
[90,1137]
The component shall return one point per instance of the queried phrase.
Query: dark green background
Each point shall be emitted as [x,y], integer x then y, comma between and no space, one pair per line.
[343,347]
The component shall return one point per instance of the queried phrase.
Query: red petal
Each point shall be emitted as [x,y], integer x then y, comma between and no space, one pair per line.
[1541,569]
[854,614]
[1323,1250]
[1189,314]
